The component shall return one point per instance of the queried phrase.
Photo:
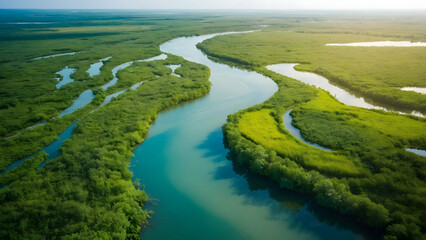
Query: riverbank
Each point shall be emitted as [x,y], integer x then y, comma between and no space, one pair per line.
[92,167]
[368,151]
[184,163]
[377,73]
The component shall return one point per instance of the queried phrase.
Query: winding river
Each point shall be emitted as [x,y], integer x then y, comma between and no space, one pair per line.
[197,193]
[345,97]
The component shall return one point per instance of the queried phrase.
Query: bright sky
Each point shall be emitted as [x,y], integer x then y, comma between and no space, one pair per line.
[215,4]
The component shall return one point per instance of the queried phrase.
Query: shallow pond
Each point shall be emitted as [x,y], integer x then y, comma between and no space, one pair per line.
[95,68]
[174,67]
[66,77]
[197,192]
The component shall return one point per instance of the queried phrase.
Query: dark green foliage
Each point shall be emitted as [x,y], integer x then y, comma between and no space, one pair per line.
[390,199]
[291,176]
[87,191]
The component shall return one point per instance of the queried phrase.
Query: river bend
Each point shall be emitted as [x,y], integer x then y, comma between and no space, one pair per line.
[197,193]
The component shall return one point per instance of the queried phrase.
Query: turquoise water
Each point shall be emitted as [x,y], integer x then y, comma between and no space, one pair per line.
[114,73]
[197,193]
[52,149]
[340,94]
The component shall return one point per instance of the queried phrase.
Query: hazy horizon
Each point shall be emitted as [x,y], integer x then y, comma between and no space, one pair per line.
[215,5]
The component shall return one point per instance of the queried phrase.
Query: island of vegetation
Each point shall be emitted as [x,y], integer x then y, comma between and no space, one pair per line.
[368,174]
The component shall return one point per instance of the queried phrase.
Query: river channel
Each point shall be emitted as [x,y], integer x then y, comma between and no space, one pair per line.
[197,193]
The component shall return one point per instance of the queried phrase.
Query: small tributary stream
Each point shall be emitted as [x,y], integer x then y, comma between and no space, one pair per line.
[85,98]
[197,193]
[287,69]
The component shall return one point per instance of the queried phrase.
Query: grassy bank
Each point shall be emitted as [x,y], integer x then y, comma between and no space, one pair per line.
[375,73]
[368,175]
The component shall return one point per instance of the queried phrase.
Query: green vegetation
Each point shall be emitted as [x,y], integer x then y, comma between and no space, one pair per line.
[253,124]
[28,93]
[376,73]
[368,175]
[88,193]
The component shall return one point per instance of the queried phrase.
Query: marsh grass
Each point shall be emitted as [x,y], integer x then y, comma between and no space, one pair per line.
[368,165]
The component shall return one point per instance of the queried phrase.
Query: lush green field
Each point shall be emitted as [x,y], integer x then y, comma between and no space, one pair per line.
[87,192]
[368,175]
[376,73]
[254,125]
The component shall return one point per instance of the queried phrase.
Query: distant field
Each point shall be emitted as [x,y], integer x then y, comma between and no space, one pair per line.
[376,73]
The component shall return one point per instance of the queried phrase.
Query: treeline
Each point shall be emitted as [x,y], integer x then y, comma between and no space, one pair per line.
[393,209]
[328,192]
[87,192]
[389,198]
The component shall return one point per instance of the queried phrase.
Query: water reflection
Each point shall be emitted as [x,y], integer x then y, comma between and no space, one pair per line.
[297,212]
